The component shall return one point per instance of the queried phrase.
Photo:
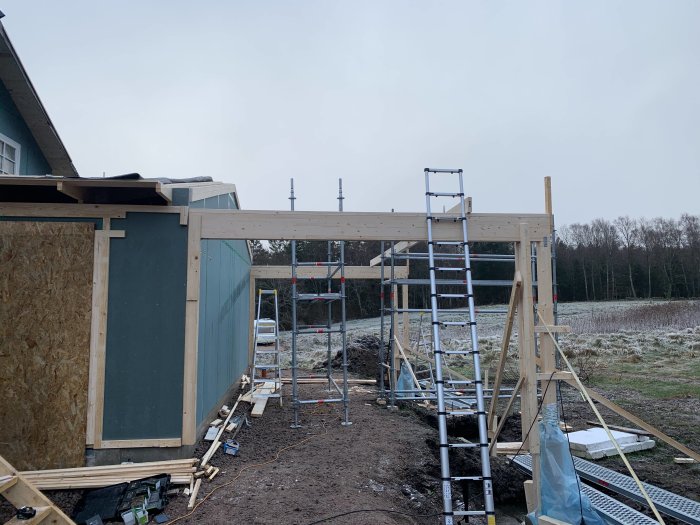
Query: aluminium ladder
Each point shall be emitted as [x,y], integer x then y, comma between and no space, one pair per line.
[435,297]
[266,361]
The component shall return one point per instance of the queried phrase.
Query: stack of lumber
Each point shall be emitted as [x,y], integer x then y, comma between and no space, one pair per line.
[181,473]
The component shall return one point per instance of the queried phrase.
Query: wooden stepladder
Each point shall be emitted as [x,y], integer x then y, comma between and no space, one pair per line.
[21,493]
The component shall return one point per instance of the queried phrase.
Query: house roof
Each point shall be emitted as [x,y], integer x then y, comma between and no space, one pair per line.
[25,97]
[129,189]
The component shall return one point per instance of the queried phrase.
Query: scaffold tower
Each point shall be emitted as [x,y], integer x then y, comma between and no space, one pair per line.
[332,293]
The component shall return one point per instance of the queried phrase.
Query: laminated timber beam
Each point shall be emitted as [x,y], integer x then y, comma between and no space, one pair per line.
[363,226]
[317,272]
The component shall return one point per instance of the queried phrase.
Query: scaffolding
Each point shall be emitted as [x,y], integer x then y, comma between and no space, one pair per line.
[331,294]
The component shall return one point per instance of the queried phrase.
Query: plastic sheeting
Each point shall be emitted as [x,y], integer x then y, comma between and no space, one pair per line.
[405,382]
[560,493]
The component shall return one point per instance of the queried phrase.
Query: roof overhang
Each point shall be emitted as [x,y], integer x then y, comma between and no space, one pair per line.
[84,191]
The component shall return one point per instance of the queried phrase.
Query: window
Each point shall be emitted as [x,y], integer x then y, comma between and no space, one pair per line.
[9,156]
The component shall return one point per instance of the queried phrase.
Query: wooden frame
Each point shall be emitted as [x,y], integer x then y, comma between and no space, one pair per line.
[358,226]
[98,336]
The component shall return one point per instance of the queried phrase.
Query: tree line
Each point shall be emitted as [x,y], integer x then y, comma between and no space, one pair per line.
[629,258]
[600,260]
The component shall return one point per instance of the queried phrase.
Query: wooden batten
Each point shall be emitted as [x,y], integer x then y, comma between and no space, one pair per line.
[189,390]
[98,337]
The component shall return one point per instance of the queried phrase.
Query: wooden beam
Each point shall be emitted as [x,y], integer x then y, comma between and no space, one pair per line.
[639,422]
[558,329]
[74,192]
[55,209]
[505,344]
[189,389]
[142,443]
[98,337]
[404,246]
[319,272]
[357,226]
[506,412]
[545,308]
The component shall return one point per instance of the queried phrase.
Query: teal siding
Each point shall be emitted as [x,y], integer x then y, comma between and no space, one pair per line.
[223,314]
[12,125]
[145,328]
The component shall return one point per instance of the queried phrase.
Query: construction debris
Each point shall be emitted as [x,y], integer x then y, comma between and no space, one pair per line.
[594,443]
[180,470]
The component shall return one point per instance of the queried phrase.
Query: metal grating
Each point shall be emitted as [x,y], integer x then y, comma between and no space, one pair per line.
[666,502]
[611,510]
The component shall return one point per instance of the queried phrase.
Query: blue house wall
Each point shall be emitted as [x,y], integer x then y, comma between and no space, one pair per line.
[223,314]
[12,125]
[145,328]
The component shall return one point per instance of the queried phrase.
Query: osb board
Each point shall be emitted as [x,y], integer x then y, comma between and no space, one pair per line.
[45,307]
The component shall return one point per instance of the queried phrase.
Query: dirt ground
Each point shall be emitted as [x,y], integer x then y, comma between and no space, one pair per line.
[384,461]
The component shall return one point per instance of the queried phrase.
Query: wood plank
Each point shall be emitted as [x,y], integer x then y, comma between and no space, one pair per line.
[639,422]
[545,308]
[305,225]
[6,482]
[684,461]
[351,272]
[98,338]
[554,376]
[404,246]
[142,443]
[505,344]
[193,496]
[558,329]
[189,390]
[41,514]
[55,209]
[510,447]
[506,413]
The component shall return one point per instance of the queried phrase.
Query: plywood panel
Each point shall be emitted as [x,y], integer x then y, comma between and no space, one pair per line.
[45,311]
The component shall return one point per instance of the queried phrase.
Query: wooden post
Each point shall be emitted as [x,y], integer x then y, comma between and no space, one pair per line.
[189,388]
[404,318]
[545,307]
[98,337]
[395,326]
[526,347]
[251,322]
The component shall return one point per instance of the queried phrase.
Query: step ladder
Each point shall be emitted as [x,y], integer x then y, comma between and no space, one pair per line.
[266,363]
[466,297]
[21,493]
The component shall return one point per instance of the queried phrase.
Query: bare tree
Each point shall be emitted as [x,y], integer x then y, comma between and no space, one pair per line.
[628,234]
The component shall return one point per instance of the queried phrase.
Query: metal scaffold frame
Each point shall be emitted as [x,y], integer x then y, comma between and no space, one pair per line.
[334,266]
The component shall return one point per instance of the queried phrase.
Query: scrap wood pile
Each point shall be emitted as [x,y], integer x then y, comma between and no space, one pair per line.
[181,473]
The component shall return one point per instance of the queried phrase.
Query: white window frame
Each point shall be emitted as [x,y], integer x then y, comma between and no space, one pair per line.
[18,153]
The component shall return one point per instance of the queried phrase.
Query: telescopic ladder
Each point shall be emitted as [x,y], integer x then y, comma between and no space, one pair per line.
[267,367]
[467,296]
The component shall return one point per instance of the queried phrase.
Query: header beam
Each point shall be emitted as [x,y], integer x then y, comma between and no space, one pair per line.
[363,226]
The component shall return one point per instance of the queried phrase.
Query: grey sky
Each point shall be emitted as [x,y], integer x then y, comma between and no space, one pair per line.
[602,96]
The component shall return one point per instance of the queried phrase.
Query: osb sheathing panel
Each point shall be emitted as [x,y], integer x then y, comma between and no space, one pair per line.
[45,303]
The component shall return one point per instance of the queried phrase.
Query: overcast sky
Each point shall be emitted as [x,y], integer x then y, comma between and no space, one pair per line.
[602,96]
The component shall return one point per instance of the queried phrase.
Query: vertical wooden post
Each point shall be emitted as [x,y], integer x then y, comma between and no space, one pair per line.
[251,321]
[545,299]
[98,337]
[404,318]
[189,387]
[526,347]
[545,308]
[395,331]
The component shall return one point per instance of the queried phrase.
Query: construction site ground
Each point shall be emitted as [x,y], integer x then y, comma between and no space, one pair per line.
[387,459]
